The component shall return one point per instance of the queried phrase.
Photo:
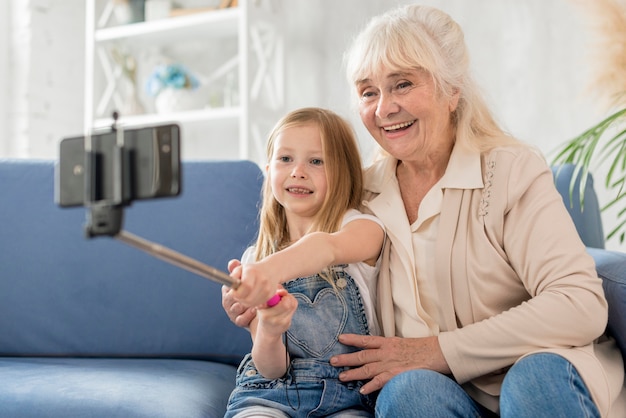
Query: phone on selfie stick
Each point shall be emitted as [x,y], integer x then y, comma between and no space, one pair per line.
[107,171]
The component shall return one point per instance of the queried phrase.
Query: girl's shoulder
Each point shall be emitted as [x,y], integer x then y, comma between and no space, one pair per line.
[248,255]
[354,214]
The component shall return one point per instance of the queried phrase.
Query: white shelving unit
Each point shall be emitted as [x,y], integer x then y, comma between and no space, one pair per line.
[235,52]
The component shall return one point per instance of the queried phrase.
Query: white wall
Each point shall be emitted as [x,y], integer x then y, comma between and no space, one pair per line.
[4,84]
[44,95]
[529,56]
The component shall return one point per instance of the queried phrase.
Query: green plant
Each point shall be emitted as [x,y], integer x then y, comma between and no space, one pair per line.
[605,142]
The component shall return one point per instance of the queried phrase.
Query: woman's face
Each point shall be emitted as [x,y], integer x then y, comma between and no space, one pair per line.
[405,114]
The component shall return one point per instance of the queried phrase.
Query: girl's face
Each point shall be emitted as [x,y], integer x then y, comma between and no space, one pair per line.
[296,171]
[404,113]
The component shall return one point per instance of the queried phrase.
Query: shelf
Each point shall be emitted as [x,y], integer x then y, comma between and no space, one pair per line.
[205,25]
[243,44]
[191,116]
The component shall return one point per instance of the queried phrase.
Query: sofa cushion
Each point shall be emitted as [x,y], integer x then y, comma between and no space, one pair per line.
[151,388]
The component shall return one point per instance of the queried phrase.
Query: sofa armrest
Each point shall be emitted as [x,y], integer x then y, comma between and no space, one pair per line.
[611,267]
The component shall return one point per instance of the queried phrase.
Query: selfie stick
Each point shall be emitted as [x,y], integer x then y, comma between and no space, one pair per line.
[177,259]
[106,218]
[181,260]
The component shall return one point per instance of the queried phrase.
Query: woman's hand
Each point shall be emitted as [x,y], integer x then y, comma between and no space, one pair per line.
[381,358]
[237,313]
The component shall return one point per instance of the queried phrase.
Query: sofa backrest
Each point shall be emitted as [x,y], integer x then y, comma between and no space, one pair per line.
[62,294]
[587,216]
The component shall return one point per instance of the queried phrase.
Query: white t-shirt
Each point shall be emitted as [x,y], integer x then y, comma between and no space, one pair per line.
[364,275]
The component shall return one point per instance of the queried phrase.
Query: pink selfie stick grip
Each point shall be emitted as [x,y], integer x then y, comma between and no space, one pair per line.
[274,300]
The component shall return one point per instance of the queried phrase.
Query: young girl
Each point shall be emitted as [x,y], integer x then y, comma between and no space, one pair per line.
[325,253]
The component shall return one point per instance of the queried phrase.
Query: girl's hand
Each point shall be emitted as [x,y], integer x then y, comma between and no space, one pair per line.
[257,285]
[276,320]
[268,349]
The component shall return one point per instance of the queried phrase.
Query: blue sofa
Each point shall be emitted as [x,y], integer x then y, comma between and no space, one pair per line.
[95,328]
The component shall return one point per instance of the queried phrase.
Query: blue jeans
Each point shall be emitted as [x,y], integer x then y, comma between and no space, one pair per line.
[539,385]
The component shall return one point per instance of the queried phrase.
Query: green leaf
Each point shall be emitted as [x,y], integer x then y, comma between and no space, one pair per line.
[593,145]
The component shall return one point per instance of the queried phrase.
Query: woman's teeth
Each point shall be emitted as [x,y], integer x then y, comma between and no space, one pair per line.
[398,126]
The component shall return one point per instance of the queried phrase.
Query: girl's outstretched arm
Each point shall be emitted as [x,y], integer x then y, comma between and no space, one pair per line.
[358,240]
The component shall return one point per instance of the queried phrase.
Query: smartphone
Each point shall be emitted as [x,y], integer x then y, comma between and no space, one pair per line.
[145,165]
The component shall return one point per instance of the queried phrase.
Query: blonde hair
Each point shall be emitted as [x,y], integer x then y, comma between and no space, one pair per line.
[342,165]
[422,37]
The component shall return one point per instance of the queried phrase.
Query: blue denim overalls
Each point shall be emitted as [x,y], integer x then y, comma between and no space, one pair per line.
[311,387]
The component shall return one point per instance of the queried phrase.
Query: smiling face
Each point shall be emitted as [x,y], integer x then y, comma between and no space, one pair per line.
[297,173]
[406,114]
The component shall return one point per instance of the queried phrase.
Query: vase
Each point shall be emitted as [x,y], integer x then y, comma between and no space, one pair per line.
[131,104]
[177,100]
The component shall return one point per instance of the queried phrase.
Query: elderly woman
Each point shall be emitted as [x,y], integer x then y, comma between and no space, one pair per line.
[488,301]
